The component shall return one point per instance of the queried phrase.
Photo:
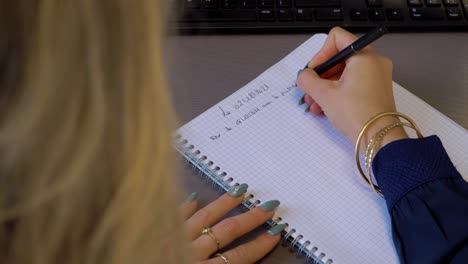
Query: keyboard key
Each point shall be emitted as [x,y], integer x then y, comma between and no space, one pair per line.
[374,3]
[394,14]
[433,2]
[284,3]
[192,3]
[267,15]
[265,3]
[248,3]
[426,13]
[415,2]
[358,14]
[304,14]
[376,14]
[210,3]
[285,15]
[228,4]
[465,5]
[451,2]
[328,14]
[318,3]
[453,13]
[220,16]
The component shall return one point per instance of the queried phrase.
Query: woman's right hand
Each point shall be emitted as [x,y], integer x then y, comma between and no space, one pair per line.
[353,92]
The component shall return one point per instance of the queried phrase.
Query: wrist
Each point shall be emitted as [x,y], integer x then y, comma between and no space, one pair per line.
[392,135]
[377,132]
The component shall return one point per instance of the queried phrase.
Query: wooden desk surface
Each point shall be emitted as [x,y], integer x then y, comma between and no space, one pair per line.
[205,69]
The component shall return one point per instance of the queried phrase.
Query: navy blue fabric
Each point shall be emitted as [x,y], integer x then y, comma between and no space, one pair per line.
[427,199]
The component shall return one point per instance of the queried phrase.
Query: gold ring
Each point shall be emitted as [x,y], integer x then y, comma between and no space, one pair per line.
[226,259]
[207,231]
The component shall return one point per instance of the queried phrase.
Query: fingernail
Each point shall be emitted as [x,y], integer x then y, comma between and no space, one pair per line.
[275,230]
[302,100]
[307,109]
[191,197]
[270,205]
[299,72]
[238,190]
[306,66]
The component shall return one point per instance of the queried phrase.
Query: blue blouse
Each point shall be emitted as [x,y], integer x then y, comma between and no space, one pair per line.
[427,199]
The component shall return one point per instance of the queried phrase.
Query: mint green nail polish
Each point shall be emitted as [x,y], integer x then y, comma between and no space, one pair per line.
[238,190]
[275,230]
[270,205]
[307,109]
[191,197]
[302,100]
[299,73]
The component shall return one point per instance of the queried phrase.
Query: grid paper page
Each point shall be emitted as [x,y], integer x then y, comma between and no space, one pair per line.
[259,135]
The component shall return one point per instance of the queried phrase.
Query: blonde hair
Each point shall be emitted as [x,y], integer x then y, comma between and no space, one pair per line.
[85,162]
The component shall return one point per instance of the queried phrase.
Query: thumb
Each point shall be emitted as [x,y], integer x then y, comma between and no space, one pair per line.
[310,83]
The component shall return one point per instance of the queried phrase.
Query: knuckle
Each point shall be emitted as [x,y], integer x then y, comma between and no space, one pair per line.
[387,62]
[383,62]
[336,30]
[203,215]
[239,253]
[211,261]
[230,227]
[243,253]
[373,57]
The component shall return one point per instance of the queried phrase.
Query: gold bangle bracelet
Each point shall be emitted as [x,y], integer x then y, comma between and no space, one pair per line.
[373,142]
[363,131]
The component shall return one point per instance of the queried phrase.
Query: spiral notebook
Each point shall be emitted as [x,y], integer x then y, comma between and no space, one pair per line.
[259,135]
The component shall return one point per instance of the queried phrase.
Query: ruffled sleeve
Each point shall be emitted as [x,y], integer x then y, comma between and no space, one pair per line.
[427,199]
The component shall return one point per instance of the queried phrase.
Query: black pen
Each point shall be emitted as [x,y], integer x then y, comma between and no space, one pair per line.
[357,45]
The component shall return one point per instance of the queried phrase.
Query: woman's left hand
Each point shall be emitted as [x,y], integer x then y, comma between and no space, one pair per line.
[205,246]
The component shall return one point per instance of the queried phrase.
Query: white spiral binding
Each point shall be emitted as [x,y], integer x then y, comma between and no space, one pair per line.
[221,181]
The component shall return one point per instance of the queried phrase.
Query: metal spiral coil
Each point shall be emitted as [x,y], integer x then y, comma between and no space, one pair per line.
[220,180]
[276,220]
[311,256]
[302,248]
[320,257]
[254,204]
[284,241]
[294,242]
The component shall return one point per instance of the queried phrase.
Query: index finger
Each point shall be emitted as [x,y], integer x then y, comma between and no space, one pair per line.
[337,40]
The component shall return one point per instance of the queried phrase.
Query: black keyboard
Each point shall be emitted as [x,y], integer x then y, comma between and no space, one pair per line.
[318,15]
